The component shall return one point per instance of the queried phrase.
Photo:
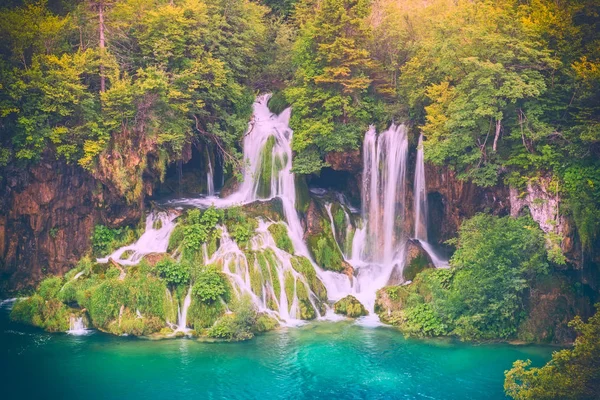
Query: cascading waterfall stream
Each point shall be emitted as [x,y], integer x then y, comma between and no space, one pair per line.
[384,187]
[421,209]
[183,311]
[155,239]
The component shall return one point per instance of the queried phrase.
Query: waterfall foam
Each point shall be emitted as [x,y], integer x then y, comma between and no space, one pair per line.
[77,326]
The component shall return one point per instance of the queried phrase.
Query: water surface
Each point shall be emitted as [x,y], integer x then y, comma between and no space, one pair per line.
[322,360]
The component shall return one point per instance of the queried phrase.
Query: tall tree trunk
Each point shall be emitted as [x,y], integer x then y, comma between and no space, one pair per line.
[102,45]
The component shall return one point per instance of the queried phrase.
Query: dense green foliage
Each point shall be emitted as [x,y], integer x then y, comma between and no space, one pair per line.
[209,284]
[571,374]
[330,91]
[167,73]
[481,295]
[175,273]
[106,240]
[242,323]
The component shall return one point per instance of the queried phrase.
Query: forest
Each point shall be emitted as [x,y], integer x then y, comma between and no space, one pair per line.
[505,94]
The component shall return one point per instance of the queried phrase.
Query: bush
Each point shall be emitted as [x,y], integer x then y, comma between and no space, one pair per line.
[482,295]
[106,240]
[175,273]
[50,287]
[51,315]
[571,374]
[210,284]
[199,226]
[238,325]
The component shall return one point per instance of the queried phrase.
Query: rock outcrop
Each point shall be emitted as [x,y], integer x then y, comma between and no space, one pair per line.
[451,201]
[47,214]
[417,260]
[350,161]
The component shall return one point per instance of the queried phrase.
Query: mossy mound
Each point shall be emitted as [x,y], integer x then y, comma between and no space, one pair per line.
[304,266]
[350,307]
[269,209]
[281,237]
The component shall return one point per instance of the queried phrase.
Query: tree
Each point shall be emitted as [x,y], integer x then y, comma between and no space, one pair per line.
[571,374]
[329,96]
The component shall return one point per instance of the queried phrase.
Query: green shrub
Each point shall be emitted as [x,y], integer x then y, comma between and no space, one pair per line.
[210,284]
[175,273]
[51,315]
[202,315]
[199,226]
[106,240]
[50,287]
[238,325]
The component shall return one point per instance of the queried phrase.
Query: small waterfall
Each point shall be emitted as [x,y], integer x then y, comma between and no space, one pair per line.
[420,195]
[77,326]
[421,210]
[155,239]
[182,312]
[210,179]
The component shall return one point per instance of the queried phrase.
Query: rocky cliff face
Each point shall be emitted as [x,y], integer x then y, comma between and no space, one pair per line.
[47,214]
[451,201]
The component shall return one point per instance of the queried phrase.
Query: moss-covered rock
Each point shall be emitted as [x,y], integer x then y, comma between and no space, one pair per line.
[417,260]
[320,240]
[303,266]
[265,170]
[350,307]
[267,209]
[302,193]
[230,186]
[552,303]
[325,251]
[282,239]
[202,315]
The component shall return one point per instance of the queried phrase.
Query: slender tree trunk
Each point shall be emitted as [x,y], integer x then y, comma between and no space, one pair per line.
[102,44]
[497,135]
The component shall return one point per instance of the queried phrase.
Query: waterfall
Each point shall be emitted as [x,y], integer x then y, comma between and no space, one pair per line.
[77,326]
[262,270]
[420,195]
[421,210]
[182,312]
[155,239]
[210,180]
[384,187]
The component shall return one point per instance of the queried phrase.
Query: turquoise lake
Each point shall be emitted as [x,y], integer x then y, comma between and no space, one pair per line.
[321,360]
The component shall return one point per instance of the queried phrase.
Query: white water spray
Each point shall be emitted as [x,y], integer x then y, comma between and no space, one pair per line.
[77,326]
